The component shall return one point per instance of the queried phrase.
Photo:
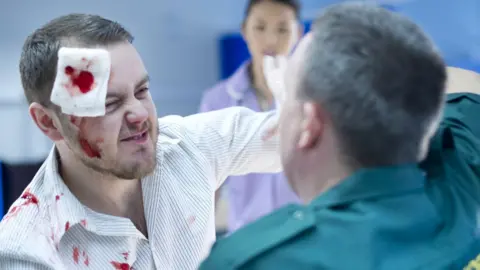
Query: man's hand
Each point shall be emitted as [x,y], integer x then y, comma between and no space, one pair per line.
[274,71]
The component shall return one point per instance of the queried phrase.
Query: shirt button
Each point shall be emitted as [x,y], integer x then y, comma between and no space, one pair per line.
[298,215]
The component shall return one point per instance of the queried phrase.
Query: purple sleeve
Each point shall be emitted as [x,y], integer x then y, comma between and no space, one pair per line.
[214,99]
[205,105]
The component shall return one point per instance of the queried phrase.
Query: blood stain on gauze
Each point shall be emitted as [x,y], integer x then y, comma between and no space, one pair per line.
[84,80]
[81,83]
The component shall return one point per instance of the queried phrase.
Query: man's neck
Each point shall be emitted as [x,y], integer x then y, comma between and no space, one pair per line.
[320,171]
[318,187]
[100,192]
[462,80]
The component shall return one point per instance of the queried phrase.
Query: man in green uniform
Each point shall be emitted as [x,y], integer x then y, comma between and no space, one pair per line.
[388,164]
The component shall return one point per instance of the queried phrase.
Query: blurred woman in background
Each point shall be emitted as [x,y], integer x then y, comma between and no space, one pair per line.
[270,27]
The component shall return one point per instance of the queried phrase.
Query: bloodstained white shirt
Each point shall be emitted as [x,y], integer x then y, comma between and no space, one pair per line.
[48,228]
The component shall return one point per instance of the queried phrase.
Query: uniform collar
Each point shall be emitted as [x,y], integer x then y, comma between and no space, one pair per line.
[370,183]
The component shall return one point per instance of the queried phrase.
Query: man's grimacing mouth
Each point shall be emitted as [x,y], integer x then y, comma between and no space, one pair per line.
[137,136]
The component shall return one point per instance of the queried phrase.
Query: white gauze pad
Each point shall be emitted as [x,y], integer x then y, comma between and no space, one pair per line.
[80,87]
[274,71]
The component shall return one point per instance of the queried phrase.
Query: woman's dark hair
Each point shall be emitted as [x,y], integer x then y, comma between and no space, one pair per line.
[294,4]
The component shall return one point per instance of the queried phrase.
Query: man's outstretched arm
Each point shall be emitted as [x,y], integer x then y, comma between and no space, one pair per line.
[232,141]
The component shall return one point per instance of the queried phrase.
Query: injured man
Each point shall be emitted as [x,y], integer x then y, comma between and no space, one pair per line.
[120,189]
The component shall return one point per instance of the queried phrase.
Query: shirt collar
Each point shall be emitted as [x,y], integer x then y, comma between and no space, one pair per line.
[375,182]
[69,211]
[239,82]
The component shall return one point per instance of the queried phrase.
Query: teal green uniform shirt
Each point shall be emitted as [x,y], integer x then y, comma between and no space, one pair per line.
[412,216]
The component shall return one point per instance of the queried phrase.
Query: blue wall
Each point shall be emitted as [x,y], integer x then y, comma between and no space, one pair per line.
[234,51]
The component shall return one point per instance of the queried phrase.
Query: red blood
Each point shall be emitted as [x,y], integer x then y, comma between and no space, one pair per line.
[57,197]
[69,70]
[86,260]
[67,226]
[30,198]
[121,266]
[13,212]
[83,79]
[83,222]
[76,254]
[125,255]
[91,150]
[74,120]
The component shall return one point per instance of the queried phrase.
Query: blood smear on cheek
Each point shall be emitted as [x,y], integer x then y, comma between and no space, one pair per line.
[83,79]
[90,150]
[74,120]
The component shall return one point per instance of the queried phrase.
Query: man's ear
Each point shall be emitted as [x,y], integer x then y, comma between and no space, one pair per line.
[44,119]
[312,125]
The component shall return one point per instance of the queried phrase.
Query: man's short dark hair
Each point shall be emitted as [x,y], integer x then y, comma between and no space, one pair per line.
[38,62]
[380,79]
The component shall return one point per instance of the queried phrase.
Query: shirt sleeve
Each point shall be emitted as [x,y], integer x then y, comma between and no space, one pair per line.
[28,258]
[22,264]
[22,248]
[231,140]
[461,120]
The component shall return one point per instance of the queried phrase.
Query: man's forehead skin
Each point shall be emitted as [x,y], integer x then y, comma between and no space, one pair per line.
[127,69]
[295,62]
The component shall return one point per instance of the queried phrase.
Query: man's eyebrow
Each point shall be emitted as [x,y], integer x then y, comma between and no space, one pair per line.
[143,81]
[113,95]
[140,83]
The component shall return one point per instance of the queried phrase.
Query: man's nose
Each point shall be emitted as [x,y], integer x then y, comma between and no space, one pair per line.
[137,114]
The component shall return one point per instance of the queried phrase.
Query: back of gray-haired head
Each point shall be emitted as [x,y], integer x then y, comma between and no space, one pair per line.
[379,78]
[38,62]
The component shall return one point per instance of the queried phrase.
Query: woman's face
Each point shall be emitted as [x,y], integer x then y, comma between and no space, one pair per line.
[270,29]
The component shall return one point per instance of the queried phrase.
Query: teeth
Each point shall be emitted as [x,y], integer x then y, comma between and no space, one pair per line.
[137,137]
